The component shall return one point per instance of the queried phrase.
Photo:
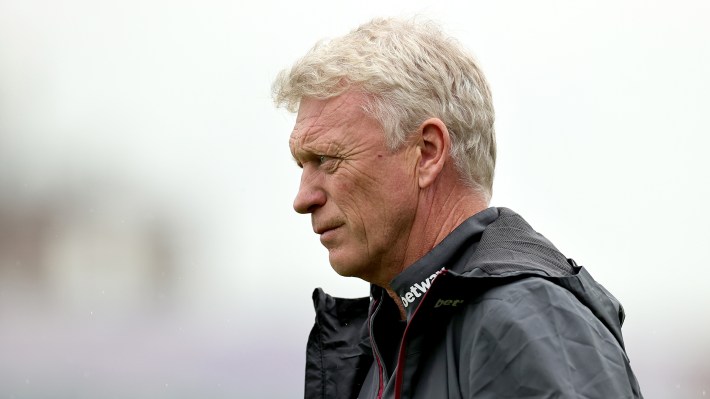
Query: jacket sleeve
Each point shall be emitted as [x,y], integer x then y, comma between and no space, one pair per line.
[338,355]
[534,339]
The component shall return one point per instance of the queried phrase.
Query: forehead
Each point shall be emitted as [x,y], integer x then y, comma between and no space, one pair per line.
[327,121]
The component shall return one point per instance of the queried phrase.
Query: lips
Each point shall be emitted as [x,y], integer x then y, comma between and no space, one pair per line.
[326,228]
[329,236]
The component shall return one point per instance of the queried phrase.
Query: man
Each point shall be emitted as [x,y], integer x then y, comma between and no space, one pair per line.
[395,139]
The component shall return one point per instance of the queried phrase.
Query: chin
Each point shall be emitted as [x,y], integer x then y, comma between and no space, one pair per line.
[347,268]
[343,270]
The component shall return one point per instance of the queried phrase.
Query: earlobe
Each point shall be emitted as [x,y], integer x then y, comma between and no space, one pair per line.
[434,144]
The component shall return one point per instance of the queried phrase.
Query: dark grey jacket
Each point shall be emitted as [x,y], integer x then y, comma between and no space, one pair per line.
[493,311]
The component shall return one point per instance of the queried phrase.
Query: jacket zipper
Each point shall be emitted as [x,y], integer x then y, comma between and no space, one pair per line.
[380,367]
[401,355]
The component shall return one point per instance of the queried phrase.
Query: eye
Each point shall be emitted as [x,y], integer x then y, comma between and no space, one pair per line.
[323,159]
[327,162]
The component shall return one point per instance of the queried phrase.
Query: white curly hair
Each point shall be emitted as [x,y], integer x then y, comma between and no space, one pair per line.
[409,71]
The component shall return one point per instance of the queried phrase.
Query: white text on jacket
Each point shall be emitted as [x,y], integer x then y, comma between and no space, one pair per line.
[417,289]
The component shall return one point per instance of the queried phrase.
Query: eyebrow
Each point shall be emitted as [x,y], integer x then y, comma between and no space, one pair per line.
[305,156]
[301,155]
[309,148]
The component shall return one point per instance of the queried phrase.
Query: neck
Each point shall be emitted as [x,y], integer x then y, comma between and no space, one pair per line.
[441,208]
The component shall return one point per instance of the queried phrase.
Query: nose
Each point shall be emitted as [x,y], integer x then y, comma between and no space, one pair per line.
[310,194]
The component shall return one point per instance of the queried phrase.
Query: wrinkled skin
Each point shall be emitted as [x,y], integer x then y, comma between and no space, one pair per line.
[362,197]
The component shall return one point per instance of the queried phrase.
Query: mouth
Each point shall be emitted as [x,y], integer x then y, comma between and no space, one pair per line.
[323,230]
[329,236]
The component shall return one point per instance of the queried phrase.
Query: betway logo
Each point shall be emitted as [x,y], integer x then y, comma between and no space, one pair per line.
[418,289]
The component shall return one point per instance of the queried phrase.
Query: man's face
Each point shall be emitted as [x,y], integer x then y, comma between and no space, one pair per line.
[361,196]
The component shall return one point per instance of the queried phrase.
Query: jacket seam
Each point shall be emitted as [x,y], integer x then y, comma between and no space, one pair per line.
[322,364]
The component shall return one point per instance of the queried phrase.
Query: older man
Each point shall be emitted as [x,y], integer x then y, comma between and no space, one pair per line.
[395,139]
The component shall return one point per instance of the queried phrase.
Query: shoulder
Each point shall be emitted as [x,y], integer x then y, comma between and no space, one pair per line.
[527,296]
[531,309]
[532,336]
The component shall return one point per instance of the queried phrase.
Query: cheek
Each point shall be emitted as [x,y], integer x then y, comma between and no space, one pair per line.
[342,184]
[347,196]
[401,184]
[375,195]
[352,185]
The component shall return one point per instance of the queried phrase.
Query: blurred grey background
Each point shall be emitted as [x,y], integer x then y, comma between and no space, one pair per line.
[148,248]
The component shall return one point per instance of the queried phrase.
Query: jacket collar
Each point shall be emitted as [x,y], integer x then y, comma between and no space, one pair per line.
[412,284]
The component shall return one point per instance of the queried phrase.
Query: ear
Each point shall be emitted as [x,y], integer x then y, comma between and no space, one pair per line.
[434,146]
